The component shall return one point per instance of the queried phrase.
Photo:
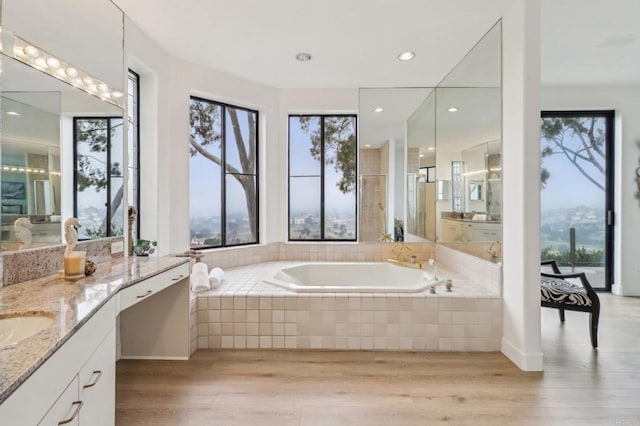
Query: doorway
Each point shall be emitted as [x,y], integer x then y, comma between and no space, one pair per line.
[576,197]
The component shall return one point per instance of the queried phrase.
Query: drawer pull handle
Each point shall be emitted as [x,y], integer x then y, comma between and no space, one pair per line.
[148,293]
[179,277]
[78,405]
[97,374]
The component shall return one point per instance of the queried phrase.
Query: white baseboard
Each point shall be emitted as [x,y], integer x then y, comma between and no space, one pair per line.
[158,358]
[525,362]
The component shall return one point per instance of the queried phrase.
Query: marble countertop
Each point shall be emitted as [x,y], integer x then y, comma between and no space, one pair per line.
[71,303]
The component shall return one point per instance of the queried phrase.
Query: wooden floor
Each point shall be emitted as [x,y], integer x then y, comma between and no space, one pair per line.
[580,386]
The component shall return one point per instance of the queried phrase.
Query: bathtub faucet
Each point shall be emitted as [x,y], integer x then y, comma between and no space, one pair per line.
[433,263]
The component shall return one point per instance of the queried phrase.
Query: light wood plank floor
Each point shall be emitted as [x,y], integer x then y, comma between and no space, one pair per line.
[580,386]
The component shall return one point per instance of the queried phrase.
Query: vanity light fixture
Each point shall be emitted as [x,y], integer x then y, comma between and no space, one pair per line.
[406,56]
[303,57]
[453,109]
[378,109]
[42,60]
[12,113]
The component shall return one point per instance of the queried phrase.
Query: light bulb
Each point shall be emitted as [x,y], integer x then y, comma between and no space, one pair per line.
[40,62]
[87,80]
[60,72]
[117,94]
[71,72]
[103,87]
[31,51]
[92,87]
[77,82]
[406,56]
[53,63]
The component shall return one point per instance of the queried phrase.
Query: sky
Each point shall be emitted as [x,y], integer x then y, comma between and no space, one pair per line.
[567,187]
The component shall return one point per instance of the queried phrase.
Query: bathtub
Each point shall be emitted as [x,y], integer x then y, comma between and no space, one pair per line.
[347,277]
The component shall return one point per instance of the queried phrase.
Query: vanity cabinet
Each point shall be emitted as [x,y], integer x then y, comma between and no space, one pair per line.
[454,231]
[54,392]
[90,397]
[485,232]
[154,317]
[76,384]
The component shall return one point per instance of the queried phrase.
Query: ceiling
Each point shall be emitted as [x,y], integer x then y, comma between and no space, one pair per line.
[355,43]
[591,42]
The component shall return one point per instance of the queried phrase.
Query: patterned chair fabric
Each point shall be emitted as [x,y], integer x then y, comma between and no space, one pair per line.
[562,291]
[558,293]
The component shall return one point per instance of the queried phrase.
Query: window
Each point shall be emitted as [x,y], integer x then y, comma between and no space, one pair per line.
[133,107]
[98,176]
[577,192]
[322,177]
[223,207]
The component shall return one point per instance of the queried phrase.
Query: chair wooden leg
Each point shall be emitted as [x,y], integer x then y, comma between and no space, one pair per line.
[593,324]
[561,313]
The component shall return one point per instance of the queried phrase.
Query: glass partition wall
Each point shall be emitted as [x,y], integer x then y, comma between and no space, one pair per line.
[440,151]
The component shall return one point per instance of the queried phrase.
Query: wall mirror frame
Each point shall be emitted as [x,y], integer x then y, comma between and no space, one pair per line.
[456,128]
[49,77]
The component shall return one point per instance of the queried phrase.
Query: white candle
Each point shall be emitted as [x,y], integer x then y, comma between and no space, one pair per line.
[74,263]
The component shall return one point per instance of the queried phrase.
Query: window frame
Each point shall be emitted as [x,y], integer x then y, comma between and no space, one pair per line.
[223,169]
[322,238]
[108,119]
[136,120]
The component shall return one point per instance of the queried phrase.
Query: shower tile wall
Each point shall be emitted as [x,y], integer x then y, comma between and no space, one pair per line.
[373,192]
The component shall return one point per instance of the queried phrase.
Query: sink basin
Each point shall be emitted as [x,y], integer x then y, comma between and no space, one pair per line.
[14,329]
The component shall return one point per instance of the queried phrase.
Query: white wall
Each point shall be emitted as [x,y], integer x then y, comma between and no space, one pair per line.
[152,65]
[626,103]
[521,168]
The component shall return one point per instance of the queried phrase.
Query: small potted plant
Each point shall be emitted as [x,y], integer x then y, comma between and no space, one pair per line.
[144,247]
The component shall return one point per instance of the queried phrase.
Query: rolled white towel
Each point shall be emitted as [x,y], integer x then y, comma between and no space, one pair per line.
[215,277]
[200,277]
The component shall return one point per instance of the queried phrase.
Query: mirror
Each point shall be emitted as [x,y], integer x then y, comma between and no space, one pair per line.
[383,115]
[468,151]
[448,186]
[87,34]
[53,82]
[421,172]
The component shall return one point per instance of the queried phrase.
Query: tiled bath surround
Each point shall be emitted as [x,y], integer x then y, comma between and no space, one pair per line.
[247,313]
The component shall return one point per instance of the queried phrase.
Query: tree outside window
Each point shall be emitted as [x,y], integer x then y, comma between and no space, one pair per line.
[98,177]
[322,177]
[223,146]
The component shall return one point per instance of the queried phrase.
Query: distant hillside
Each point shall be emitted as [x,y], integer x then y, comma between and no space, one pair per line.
[587,221]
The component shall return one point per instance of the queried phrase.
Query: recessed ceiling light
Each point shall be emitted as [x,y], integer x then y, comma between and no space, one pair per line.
[431,148]
[453,109]
[303,57]
[378,109]
[421,155]
[12,113]
[367,146]
[406,56]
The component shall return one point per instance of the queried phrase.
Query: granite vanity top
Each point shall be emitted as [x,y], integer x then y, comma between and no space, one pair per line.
[71,303]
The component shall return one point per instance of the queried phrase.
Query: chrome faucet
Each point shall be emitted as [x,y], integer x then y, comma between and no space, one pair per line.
[433,263]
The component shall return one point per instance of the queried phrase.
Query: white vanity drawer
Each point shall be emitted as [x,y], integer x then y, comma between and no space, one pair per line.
[152,285]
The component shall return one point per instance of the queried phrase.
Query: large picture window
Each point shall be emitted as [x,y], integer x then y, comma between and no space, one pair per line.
[223,207]
[98,176]
[322,178]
